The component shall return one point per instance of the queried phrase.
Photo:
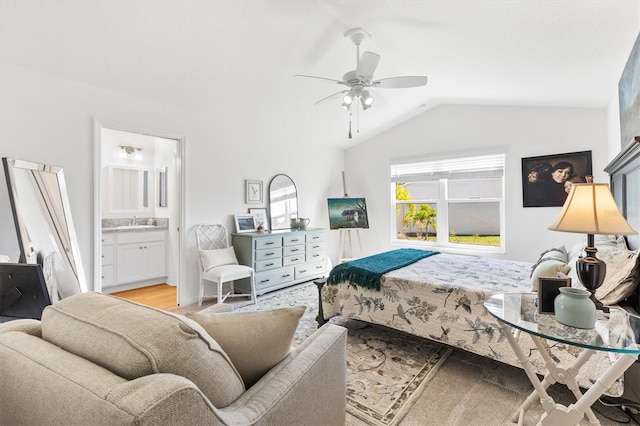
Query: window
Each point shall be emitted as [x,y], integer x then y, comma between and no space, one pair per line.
[456,202]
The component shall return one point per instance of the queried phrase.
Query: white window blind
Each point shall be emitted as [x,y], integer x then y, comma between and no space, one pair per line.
[484,166]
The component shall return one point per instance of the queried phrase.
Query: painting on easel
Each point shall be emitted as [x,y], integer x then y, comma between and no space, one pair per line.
[347,213]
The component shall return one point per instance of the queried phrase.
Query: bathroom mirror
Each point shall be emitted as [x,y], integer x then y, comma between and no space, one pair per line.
[42,216]
[283,202]
[128,190]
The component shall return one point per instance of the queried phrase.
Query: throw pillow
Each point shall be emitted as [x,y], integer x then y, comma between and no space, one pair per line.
[623,275]
[549,264]
[254,341]
[217,257]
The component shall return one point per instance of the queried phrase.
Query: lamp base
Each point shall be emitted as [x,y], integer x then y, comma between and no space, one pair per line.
[591,272]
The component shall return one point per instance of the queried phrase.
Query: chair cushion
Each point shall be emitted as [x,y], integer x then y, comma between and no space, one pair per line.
[255,341]
[227,273]
[217,257]
[133,340]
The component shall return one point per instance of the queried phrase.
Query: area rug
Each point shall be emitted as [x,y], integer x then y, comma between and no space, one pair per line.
[386,369]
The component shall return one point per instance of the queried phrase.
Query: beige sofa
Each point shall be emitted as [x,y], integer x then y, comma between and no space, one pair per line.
[96,359]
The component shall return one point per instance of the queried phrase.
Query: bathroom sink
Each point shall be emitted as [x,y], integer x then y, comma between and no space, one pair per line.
[129,227]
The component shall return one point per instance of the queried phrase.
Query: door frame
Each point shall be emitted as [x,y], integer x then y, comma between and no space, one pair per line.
[98,125]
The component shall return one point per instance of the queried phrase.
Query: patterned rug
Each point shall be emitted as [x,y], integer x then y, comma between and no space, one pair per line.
[386,369]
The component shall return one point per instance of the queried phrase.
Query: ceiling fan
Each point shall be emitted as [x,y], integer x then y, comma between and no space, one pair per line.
[360,82]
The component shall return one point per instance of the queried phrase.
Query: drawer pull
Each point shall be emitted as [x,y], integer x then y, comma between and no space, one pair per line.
[319,267]
[295,260]
[264,281]
[315,237]
[294,250]
[295,240]
[286,276]
[316,246]
[303,271]
[269,264]
[269,254]
[268,243]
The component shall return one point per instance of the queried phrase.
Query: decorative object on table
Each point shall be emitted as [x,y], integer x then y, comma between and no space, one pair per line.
[260,215]
[295,223]
[347,213]
[548,289]
[591,209]
[546,179]
[245,223]
[254,191]
[303,223]
[574,307]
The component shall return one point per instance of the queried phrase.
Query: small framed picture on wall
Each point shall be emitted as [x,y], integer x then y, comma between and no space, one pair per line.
[254,191]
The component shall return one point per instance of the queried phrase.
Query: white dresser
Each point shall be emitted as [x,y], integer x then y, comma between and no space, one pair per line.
[281,258]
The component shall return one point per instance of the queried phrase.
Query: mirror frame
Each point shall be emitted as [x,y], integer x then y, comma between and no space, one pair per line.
[53,206]
[271,221]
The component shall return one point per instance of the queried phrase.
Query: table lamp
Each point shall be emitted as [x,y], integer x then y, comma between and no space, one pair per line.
[591,209]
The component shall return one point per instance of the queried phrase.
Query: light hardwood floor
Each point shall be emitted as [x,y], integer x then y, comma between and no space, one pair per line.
[161,296]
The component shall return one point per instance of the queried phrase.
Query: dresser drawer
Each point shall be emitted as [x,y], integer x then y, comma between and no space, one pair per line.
[314,236]
[315,246]
[264,265]
[310,270]
[269,279]
[293,240]
[315,256]
[271,253]
[291,250]
[293,260]
[265,243]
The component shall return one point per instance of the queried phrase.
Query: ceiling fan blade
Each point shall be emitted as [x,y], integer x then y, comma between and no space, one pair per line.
[330,80]
[367,65]
[401,82]
[331,97]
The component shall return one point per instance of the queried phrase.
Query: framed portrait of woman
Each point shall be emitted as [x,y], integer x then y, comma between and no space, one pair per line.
[547,179]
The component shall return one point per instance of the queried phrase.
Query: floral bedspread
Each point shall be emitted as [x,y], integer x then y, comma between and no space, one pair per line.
[442,298]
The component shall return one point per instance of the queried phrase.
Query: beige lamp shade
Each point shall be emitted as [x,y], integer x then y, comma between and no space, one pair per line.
[591,209]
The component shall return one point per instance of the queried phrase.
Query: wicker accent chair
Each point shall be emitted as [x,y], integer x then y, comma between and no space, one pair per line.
[218,263]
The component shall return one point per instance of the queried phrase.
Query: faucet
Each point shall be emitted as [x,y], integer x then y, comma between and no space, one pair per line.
[133,221]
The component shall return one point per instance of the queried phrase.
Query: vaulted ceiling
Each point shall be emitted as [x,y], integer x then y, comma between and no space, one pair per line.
[239,58]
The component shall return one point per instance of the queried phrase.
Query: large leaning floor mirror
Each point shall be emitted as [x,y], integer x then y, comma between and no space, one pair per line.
[45,232]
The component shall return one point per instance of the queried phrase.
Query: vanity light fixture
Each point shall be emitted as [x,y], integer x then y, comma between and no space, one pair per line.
[130,149]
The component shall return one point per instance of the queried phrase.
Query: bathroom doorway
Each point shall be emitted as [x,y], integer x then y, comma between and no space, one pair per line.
[145,168]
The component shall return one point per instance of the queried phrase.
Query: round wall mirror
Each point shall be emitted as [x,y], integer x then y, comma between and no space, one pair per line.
[283,202]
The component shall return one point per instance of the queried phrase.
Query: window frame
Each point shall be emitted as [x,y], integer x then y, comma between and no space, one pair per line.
[442,204]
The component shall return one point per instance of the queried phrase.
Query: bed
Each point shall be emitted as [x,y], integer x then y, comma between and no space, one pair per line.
[447,306]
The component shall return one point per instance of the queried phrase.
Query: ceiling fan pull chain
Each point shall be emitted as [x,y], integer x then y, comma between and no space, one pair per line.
[350,137]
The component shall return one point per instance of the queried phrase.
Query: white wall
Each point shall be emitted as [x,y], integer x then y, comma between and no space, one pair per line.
[49,120]
[463,130]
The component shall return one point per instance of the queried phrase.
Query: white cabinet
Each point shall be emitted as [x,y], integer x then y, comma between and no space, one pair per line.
[108,278]
[139,256]
[281,258]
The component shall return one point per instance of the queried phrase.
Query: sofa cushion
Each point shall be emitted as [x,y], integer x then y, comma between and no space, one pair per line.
[133,340]
[255,341]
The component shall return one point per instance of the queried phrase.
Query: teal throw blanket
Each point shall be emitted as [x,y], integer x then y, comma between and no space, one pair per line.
[366,272]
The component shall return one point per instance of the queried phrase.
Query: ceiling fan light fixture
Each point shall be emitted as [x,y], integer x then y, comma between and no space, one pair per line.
[348,98]
[346,106]
[366,99]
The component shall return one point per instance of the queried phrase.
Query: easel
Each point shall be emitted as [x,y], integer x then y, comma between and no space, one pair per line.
[345,235]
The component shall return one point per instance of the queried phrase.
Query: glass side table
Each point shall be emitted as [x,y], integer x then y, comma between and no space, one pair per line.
[611,333]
